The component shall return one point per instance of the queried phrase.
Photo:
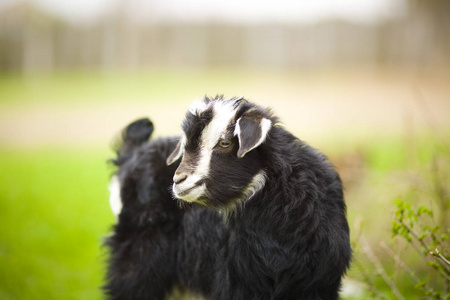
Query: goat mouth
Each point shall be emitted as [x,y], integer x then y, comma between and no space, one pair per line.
[187,191]
[182,193]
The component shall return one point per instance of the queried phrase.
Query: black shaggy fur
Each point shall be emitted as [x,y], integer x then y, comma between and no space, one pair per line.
[289,241]
[143,246]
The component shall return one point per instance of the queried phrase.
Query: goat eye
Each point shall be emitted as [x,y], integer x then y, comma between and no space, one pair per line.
[224,143]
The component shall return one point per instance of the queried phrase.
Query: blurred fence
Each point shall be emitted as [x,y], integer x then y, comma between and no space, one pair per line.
[31,40]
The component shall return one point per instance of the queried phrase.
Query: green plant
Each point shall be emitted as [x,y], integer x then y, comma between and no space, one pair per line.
[428,241]
[416,263]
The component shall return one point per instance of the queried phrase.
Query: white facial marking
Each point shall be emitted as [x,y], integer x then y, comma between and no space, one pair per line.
[198,107]
[114,197]
[189,194]
[223,112]
[217,128]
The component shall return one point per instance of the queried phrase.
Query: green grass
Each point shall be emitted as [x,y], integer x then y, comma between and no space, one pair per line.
[54,213]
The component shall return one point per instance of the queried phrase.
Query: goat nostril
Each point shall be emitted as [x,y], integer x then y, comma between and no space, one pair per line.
[179,178]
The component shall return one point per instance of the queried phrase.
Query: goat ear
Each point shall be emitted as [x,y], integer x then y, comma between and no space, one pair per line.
[251,132]
[176,154]
[138,132]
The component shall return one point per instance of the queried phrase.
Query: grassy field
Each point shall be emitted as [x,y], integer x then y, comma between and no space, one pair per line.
[56,130]
[53,213]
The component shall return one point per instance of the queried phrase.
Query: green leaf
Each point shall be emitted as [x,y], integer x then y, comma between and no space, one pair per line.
[423,209]
[407,205]
[433,264]
[422,236]
[395,228]
[436,228]
[420,284]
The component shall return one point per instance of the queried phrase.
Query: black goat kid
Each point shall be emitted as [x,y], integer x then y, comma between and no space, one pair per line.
[143,246]
[267,219]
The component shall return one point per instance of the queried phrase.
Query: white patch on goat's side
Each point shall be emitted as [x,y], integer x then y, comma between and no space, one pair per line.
[114,196]
[223,113]
[258,182]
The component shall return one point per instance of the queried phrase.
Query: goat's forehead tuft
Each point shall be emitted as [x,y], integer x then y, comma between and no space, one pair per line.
[210,120]
[224,113]
[198,107]
[217,103]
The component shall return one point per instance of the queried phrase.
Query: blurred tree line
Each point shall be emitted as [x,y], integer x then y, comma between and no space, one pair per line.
[31,40]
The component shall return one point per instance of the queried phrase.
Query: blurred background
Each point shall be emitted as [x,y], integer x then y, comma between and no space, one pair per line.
[367,82]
